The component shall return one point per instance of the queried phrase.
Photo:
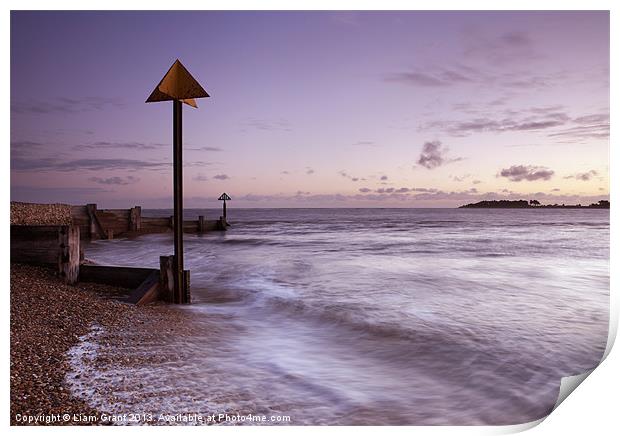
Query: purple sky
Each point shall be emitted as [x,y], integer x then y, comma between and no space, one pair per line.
[312,109]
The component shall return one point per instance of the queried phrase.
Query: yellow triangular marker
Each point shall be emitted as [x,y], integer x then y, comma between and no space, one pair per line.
[178,84]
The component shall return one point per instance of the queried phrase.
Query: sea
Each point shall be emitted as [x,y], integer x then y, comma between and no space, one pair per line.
[379,316]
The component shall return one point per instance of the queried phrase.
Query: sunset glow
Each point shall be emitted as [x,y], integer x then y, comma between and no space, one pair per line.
[314,109]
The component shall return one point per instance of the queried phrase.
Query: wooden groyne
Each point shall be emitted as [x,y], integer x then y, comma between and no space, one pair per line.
[60,247]
[52,235]
[97,223]
[56,246]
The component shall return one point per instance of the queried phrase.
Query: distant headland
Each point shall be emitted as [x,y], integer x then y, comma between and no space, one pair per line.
[532,204]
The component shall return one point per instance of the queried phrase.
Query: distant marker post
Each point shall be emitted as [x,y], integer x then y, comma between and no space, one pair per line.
[223,198]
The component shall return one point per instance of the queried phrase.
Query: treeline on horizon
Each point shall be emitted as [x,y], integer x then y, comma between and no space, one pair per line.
[521,204]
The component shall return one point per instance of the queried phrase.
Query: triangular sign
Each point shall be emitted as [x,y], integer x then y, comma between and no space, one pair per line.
[178,84]
[224,197]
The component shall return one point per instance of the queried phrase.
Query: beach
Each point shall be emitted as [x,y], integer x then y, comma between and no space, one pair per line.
[48,318]
[337,317]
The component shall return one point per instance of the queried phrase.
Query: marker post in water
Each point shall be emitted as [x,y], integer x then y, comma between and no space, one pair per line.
[223,198]
[178,86]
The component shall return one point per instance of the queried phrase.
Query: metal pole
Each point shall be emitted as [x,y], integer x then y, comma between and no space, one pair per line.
[224,210]
[177,123]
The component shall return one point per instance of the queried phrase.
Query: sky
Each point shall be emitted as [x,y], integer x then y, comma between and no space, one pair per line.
[312,109]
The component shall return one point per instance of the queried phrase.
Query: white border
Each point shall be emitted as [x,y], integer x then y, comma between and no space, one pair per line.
[592,409]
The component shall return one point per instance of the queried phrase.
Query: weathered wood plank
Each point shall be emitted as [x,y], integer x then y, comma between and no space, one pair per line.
[147,292]
[166,278]
[126,277]
[69,253]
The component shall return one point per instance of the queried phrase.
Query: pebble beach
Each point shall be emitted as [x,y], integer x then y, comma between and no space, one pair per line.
[48,318]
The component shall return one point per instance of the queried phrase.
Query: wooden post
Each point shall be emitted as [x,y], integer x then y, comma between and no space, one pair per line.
[171,222]
[166,278]
[110,234]
[221,224]
[201,224]
[177,163]
[187,297]
[224,210]
[179,86]
[69,253]
[92,210]
[135,219]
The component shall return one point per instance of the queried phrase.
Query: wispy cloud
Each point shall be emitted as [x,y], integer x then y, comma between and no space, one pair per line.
[533,120]
[221,177]
[267,125]
[66,105]
[55,164]
[348,176]
[594,126]
[509,47]
[518,173]
[365,143]
[115,180]
[206,148]
[309,171]
[584,177]
[132,145]
[461,178]
[442,78]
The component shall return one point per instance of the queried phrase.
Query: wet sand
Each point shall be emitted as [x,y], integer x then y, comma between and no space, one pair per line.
[47,320]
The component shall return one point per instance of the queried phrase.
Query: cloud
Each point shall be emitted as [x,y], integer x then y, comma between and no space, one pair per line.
[509,47]
[517,173]
[599,118]
[516,39]
[364,143]
[460,74]
[25,144]
[67,105]
[584,177]
[533,119]
[593,126]
[461,178]
[221,177]
[126,145]
[115,180]
[441,78]
[268,125]
[284,172]
[408,197]
[40,194]
[481,125]
[206,148]
[433,155]
[383,178]
[348,176]
[200,178]
[309,171]
[54,164]
[25,149]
